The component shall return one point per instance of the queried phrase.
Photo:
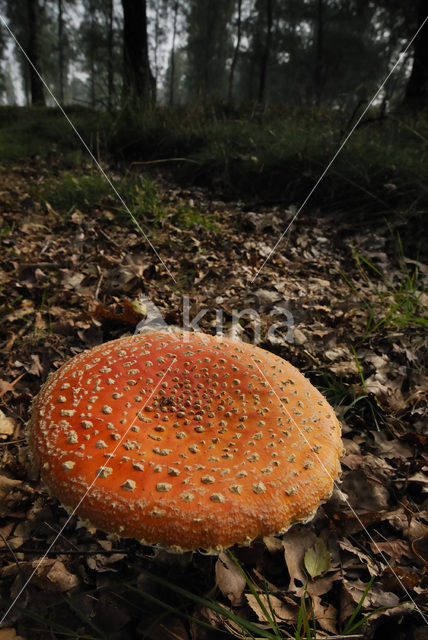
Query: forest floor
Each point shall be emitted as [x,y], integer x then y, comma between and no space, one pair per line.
[72,280]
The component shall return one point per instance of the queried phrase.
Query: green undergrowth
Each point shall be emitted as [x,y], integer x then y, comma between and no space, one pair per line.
[155,600]
[275,157]
[282,154]
[30,132]
[350,401]
[186,217]
[391,303]
[71,191]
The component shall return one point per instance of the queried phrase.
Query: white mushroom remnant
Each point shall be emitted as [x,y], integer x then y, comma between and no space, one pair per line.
[186,440]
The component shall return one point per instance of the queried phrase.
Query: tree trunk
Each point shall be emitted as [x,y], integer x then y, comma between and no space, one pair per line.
[27,92]
[33,52]
[417,87]
[110,55]
[265,54]
[172,65]
[319,64]
[92,53]
[138,79]
[61,52]
[156,43]
[236,51]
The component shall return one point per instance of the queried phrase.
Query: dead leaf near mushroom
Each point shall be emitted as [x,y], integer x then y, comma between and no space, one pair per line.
[420,548]
[10,634]
[130,314]
[7,426]
[282,610]
[229,579]
[51,575]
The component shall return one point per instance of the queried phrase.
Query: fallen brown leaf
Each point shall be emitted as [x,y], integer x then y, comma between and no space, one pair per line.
[325,614]
[229,579]
[8,386]
[420,548]
[282,611]
[9,634]
[396,549]
[7,426]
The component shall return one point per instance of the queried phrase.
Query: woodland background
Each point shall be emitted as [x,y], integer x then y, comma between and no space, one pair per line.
[329,53]
[214,120]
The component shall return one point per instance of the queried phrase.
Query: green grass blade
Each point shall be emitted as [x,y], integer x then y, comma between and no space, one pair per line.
[171,609]
[371,266]
[349,627]
[85,618]
[360,371]
[58,628]
[254,592]
[245,624]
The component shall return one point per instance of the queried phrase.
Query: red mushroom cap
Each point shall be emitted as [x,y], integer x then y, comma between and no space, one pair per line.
[186,440]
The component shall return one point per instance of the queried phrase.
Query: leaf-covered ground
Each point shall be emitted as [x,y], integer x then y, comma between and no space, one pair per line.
[71,281]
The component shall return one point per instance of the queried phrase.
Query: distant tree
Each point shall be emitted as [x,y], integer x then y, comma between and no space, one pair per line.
[172,54]
[256,59]
[319,49]
[4,75]
[57,37]
[61,50]
[102,53]
[158,34]
[91,49]
[8,86]
[138,81]
[110,53]
[208,48]
[417,87]
[176,77]
[235,51]
[33,50]
[36,29]
[266,8]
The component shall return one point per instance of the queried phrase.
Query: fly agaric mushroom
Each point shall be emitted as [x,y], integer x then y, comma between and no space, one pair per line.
[186,440]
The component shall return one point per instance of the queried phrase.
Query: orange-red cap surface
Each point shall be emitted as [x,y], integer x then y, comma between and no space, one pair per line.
[186,440]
